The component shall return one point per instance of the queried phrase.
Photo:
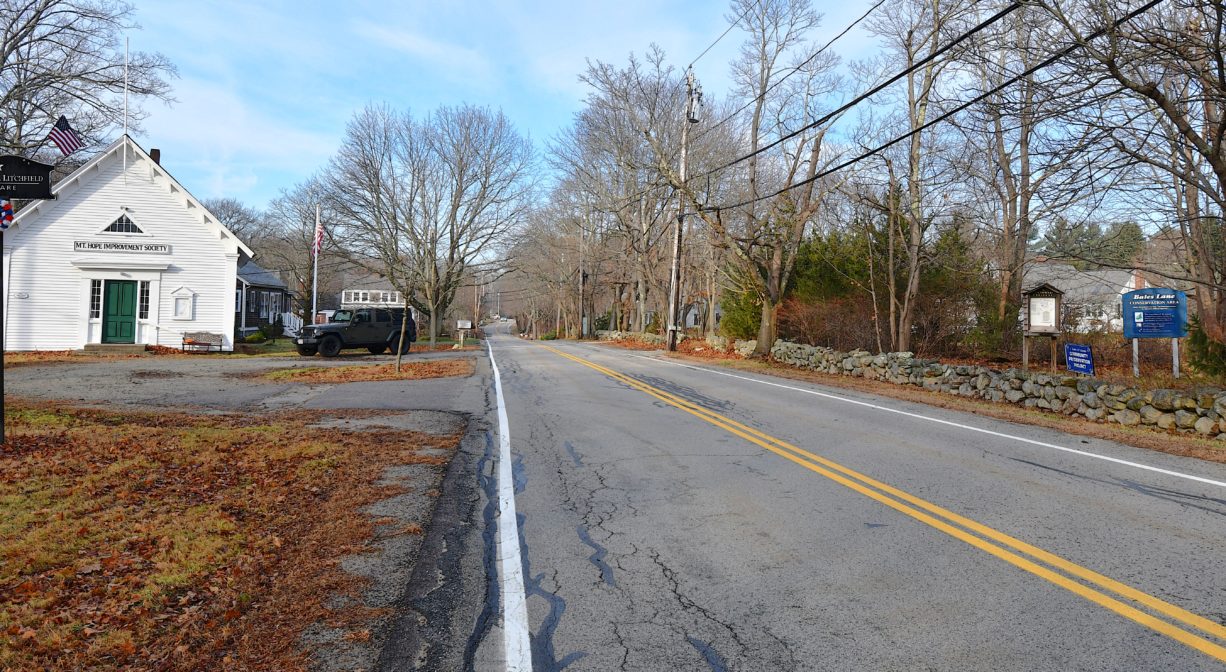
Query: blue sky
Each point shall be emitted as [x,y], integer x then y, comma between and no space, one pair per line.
[265,88]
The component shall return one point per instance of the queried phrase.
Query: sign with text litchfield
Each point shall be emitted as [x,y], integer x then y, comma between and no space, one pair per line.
[1079,358]
[1155,312]
[24,179]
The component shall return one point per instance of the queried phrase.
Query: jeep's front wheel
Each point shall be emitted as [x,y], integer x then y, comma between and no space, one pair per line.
[330,346]
[404,349]
[306,350]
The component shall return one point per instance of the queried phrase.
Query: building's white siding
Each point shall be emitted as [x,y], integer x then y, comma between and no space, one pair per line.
[47,283]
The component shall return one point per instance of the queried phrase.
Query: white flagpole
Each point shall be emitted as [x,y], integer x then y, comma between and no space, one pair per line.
[125,109]
[315,277]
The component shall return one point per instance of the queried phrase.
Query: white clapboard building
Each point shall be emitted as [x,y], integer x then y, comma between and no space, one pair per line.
[118,257]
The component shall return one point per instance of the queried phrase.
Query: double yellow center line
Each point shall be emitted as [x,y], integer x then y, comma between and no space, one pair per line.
[1101,590]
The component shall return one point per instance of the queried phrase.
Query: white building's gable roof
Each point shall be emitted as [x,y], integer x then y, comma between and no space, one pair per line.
[81,176]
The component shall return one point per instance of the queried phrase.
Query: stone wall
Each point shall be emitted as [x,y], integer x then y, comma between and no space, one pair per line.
[1201,411]
[652,339]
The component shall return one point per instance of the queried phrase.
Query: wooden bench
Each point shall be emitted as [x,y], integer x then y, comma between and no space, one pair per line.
[201,340]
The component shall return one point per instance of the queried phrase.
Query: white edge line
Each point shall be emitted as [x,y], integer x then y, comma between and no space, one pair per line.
[1146,467]
[517,646]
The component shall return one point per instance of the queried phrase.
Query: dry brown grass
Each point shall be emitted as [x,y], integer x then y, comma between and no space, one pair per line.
[168,541]
[434,368]
[1141,437]
[42,357]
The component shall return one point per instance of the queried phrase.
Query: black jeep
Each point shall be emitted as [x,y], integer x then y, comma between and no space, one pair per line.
[376,329]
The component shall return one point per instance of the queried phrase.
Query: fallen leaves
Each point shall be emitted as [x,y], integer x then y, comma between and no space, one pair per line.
[172,541]
[433,368]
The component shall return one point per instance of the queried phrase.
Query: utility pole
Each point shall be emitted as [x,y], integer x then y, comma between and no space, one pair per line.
[693,95]
[582,331]
[477,301]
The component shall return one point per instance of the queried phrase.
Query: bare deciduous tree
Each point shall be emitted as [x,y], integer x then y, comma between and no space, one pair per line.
[421,202]
[243,220]
[64,57]
[1163,108]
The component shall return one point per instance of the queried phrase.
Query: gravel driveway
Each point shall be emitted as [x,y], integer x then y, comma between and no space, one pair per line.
[220,383]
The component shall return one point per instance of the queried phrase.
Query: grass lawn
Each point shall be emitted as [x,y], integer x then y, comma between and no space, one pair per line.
[169,541]
[281,346]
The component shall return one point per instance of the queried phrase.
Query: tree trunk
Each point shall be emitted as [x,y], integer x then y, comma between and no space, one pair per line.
[433,324]
[404,332]
[767,330]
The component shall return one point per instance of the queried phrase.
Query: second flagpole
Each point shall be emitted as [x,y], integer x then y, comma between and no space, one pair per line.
[315,245]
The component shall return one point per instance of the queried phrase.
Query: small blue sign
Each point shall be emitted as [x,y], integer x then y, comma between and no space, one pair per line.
[1156,312]
[1079,358]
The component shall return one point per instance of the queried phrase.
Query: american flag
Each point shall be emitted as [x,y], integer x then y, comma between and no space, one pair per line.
[319,237]
[64,137]
[6,213]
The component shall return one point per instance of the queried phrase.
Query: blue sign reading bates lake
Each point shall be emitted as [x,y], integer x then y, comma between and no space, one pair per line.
[1079,358]
[1156,312]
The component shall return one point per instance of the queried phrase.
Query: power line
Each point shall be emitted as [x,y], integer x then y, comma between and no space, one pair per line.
[1057,56]
[794,70]
[1015,5]
[983,25]
[723,34]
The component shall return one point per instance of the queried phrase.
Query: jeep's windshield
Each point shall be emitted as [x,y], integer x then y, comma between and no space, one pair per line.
[342,316]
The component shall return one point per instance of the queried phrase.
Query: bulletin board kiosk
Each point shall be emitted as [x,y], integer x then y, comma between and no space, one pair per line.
[1043,309]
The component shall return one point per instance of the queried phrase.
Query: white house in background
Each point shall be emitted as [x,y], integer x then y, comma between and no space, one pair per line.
[118,257]
[1093,298]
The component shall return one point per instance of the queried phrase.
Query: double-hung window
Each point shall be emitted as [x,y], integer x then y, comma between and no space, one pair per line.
[95,299]
[142,312]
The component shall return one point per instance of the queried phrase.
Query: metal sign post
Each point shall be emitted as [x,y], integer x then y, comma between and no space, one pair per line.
[27,180]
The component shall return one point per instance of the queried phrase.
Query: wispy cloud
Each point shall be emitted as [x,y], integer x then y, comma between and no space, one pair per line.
[453,61]
[232,147]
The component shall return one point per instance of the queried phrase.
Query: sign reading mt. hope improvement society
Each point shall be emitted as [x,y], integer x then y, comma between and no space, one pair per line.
[1156,312]
[115,246]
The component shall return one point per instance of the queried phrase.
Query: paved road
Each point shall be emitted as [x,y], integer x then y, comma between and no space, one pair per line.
[675,518]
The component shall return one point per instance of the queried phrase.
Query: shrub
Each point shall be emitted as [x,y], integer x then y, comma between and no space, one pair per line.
[1205,354]
[257,337]
[271,331]
[742,315]
[549,336]
[843,324]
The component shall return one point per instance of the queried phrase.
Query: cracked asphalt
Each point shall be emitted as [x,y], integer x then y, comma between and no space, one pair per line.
[655,540]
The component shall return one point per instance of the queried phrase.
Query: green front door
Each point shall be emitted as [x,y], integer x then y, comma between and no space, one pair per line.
[119,314]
